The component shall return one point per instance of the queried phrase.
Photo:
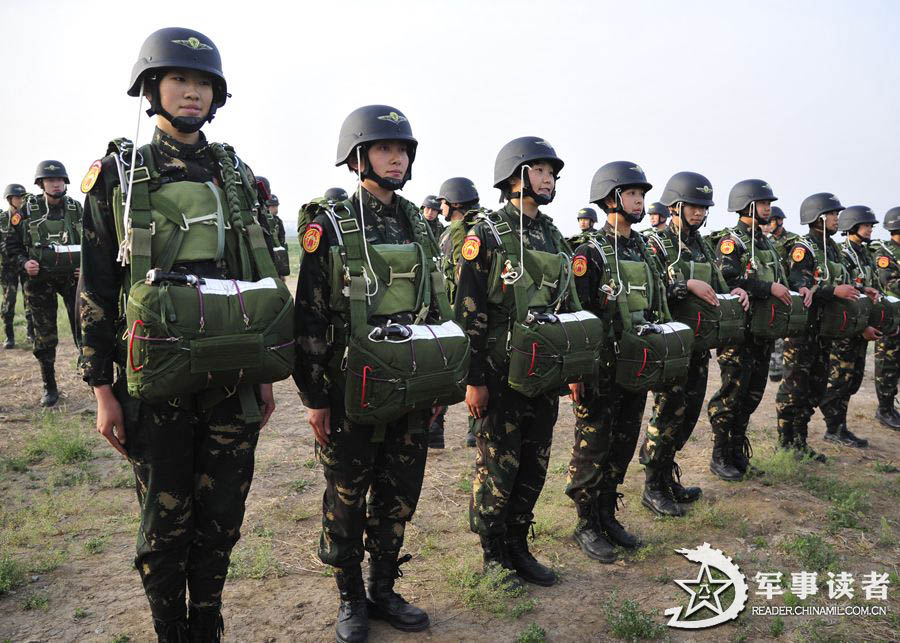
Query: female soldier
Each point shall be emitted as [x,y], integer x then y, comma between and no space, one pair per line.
[192,455]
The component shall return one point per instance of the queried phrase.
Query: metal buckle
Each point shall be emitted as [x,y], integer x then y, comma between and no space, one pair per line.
[348,226]
[143,172]
[503,227]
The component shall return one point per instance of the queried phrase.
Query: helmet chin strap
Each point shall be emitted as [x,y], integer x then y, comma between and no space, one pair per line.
[620,209]
[184,124]
[383,182]
[528,191]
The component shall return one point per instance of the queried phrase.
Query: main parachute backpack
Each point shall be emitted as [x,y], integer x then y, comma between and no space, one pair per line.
[389,369]
[186,334]
[54,243]
[545,349]
[839,318]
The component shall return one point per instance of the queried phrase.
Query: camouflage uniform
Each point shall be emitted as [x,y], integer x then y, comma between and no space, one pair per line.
[436,227]
[192,458]
[887,349]
[357,460]
[515,433]
[806,356]
[783,243]
[10,278]
[41,290]
[744,368]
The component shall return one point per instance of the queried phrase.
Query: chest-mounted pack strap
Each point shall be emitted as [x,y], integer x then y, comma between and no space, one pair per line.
[140,218]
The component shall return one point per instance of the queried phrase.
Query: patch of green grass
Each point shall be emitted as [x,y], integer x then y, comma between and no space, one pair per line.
[780,467]
[534,633]
[760,542]
[95,545]
[16,464]
[12,573]
[886,467]
[464,483]
[35,601]
[120,638]
[254,558]
[776,627]
[80,613]
[47,560]
[299,486]
[706,514]
[64,439]
[847,511]
[487,592]
[303,514]
[629,622]
[559,468]
[812,552]
[310,464]
[886,537]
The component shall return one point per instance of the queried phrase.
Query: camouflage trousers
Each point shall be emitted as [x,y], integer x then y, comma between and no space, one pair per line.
[193,472]
[10,277]
[744,371]
[887,369]
[776,362]
[40,297]
[513,450]
[675,414]
[389,472]
[803,386]
[607,427]
[846,368]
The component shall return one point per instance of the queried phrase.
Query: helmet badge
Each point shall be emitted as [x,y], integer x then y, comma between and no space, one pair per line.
[393,117]
[193,43]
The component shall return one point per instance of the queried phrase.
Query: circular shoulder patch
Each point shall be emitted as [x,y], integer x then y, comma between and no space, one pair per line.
[726,246]
[798,254]
[16,219]
[470,247]
[579,265]
[312,237]
[91,177]
[883,262]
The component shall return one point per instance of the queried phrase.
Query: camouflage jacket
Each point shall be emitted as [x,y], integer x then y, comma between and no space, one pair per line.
[15,250]
[734,257]
[471,304]
[860,262]
[436,226]
[887,261]
[450,243]
[803,269]
[694,248]
[783,244]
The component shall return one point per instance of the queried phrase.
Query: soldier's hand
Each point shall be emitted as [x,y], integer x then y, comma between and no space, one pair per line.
[807,296]
[110,419]
[32,267]
[268,400]
[873,294]
[781,293]
[846,291]
[320,421]
[743,297]
[871,334]
[576,390]
[477,400]
[703,290]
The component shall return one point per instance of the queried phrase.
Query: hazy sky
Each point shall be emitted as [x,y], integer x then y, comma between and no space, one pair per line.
[802,94]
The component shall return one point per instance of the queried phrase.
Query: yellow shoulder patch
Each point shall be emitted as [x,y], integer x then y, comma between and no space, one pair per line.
[16,219]
[312,237]
[470,247]
[883,262]
[726,246]
[91,177]
[579,265]
[798,254]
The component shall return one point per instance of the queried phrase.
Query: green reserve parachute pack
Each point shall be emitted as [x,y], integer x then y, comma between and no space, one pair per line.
[186,334]
[652,352]
[388,369]
[54,243]
[838,318]
[713,326]
[541,348]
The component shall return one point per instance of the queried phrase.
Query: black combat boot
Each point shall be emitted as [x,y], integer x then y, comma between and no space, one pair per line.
[887,415]
[496,556]
[48,374]
[741,452]
[174,631]
[590,537]
[436,431]
[387,605]
[206,624]
[720,463]
[352,624]
[803,449]
[29,330]
[786,436]
[614,530]
[527,567]
[841,435]
[10,336]
[672,477]
[657,496]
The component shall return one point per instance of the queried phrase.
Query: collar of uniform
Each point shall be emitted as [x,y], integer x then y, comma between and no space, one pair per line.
[815,236]
[177,149]
[513,213]
[686,235]
[746,229]
[372,204]
[610,233]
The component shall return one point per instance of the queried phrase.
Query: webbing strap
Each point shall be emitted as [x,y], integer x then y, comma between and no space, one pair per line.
[141,219]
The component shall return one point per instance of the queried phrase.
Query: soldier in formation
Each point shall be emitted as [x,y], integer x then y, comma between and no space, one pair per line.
[887,349]
[10,275]
[659,213]
[783,241]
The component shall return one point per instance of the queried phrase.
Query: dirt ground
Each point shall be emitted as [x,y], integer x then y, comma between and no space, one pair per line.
[68,524]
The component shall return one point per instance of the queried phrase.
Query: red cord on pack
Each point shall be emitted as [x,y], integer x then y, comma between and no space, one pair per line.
[772,318]
[362,398]
[697,330]
[534,347]
[643,366]
[134,369]
[844,322]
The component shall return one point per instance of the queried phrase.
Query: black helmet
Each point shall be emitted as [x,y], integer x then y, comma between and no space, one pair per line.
[855,215]
[273,201]
[815,205]
[14,189]
[371,123]
[747,191]
[659,210]
[688,187]
[178,48]
[587,213]
[49,170]
[617,176]
[517,152]
[892,220]
[336,194]
[459,189]
[432,202]
[777,213]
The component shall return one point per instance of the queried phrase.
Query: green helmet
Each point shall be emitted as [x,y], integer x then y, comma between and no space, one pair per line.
[458,189]
[518,152]
[892,219]
[178,48]
[431,201]
[748,191]
[366,125]
[14,189]
[855,215]
[50,169]
[818,204]
[688,187]
[587,213]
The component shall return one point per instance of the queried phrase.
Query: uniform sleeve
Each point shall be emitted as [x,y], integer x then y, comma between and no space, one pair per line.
[102,279]
[889,277]
[311,322]
[587,285]
[734,269]
[471,307]
[16,252]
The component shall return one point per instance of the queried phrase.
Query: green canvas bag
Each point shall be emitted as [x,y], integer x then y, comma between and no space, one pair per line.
[54,243]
